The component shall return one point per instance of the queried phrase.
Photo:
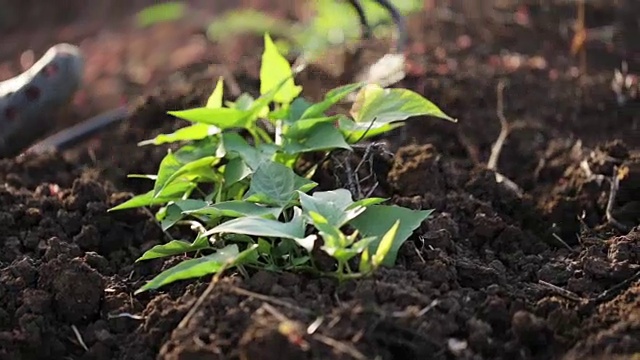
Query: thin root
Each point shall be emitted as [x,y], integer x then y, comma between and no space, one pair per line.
[269,299]
[615,185]
[614,290]
[79,337]
[492,164]
[505,128]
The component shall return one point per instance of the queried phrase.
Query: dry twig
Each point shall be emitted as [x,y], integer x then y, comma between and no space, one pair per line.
[615,185]
[205,294]
[562,292]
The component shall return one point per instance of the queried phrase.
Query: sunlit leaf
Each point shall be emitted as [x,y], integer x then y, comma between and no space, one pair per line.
[198,267]
[171,192]
[389,105]
[273,70]
[223,118]
[176,247]
[257,226]
[215,99]
[385,245]
[167,11]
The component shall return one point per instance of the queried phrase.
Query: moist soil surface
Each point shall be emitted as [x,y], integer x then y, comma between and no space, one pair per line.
[546,269]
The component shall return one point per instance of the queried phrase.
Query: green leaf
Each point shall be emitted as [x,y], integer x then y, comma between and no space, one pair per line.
[198,267]
[264,247]
[355,132]
[215,99]
[243,102]
[389,105]
[299,261]
[168,166]
[235,208]
[285,249]
[302,127]
[176,211]
[273,70]
[244,20]
[321,137]
[169,11]
[171,216]
[273,180]
[235,170]
[297,108]
[197,149]
[172,192]
[187,205]
[365,262]
[192,132]
[378,219]
[366,202]
[194,168]
[346,254]
[196,131]
[234,144]
[276,184]
[331,205]
[223,118]
[175,247]
[236,191]
[330,99]
[334,239]
[384,248]
[257,226]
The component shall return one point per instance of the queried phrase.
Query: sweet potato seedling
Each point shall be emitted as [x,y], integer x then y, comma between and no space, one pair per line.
[261,213]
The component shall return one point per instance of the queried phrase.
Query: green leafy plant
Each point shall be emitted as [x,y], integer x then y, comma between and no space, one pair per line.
[234,181]
[333,22]
[158,13]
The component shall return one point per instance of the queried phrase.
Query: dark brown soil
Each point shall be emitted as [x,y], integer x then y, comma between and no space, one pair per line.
[539,272]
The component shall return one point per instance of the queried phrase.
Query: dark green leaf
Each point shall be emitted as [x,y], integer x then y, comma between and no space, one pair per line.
[378,219]
[235,170]
[320,137]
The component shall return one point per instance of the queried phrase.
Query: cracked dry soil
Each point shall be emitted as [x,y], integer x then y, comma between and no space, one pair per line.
[493,274]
